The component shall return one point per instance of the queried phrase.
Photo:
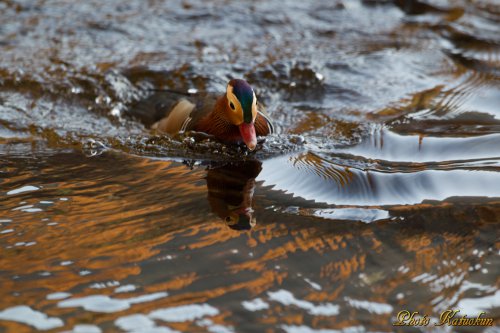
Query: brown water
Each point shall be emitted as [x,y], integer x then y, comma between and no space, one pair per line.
[380,192]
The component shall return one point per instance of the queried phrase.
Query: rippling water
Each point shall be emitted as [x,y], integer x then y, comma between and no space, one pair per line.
[380,192]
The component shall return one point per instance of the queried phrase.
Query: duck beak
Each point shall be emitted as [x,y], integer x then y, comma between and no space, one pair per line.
[247,131]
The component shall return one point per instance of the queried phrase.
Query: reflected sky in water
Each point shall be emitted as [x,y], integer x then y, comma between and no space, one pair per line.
[313,178]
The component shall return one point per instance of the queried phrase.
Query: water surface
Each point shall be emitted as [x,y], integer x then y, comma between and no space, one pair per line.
[380,192]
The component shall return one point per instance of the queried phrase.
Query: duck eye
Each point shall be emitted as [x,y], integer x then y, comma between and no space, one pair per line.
[231,105]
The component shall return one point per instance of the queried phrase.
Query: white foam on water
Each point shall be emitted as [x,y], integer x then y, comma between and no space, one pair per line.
[314,285]
[287,298]
[138,323]
[26,315]
[86,328]
[106,304]
[58,296]
[372,307]
[184,312]
[255,305]
[359,214]
[125,288]
[474,306]
[27,188]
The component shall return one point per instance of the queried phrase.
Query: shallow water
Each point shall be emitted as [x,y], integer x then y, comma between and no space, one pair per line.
[380,192]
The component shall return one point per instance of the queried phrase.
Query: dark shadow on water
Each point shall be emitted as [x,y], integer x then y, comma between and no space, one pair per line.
[230,193]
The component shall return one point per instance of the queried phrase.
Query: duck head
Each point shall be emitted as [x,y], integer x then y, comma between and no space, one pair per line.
[242,110]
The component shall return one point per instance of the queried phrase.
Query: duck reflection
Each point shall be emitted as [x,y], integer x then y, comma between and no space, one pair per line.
[230,192]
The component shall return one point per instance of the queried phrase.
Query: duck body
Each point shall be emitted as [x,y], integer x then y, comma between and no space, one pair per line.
[234,117]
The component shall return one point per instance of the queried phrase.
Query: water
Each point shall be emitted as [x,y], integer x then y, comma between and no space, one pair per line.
[379,193]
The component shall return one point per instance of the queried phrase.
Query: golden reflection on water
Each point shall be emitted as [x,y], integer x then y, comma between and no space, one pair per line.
[155,224]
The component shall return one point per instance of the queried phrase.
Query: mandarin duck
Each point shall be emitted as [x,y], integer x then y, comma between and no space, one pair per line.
[234,117]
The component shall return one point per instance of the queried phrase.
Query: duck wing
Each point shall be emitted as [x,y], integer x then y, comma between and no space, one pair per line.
[172,112]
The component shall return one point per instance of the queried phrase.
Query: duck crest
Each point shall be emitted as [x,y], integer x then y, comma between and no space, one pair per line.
[244,92]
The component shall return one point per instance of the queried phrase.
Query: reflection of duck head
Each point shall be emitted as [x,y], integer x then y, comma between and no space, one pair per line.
[230,193]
